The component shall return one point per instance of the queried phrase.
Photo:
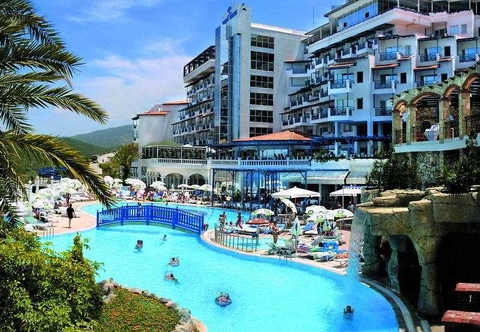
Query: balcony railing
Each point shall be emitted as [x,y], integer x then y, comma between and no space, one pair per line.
[383,111]
[388,56]
[338,111]
[451,129]
[428,57]
[384,85]
[473,123]
[424,83]
[338,84]
[467,57]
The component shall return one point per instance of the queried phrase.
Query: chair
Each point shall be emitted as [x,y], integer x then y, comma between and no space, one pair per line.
[310,228]
[30,220]
[274,248]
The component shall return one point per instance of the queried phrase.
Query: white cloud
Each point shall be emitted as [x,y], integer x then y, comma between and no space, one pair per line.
[130,86]
[111,10]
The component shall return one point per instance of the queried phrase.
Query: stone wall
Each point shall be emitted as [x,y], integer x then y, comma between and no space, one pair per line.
[424,218]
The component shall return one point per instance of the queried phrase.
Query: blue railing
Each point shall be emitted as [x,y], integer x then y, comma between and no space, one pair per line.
[151,214]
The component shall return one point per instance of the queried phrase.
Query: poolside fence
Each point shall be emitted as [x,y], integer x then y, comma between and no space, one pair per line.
[151,214]
[236,240]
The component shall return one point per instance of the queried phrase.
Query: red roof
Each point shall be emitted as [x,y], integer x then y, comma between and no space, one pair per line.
[176,103]
[461,317]
[426,67]
[280,136]
[391,65]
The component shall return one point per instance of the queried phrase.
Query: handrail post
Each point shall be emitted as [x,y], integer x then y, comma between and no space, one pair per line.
[175,218]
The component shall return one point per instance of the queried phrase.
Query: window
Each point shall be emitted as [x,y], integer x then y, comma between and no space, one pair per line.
[261,116]
[444,76]
[261,99]
[262,41]
[454,30]
[254,131]
[463,28]
[258,81]
[347,127]
[447,51]
[360,103]
[262,61]
[360,77]
[403,78]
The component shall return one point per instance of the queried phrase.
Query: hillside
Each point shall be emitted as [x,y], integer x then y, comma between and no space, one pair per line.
[107,138]
[86,149]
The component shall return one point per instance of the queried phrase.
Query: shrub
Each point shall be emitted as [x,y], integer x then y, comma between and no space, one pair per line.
[41,290]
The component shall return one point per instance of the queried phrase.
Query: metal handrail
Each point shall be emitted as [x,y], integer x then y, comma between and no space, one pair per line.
[151,214]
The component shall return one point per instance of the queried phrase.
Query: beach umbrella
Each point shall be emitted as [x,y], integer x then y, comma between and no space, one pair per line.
[195,186]
[289,204]
[108,180]
[265,212]
[296,231]
[342,213]
[136,183]
[295,193]
[158,185]
[312,209]
[183,186]
[258,221]
[206,187]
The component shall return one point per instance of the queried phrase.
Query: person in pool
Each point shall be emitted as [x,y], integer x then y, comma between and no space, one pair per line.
[139,244]
[170,276]
[165,237]
[174,261]
[348,310]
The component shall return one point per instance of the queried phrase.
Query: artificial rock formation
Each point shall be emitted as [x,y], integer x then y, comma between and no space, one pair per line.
[421,219]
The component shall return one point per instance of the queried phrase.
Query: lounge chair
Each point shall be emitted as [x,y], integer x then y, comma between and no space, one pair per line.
[274,248]
[310,228]
[30,220]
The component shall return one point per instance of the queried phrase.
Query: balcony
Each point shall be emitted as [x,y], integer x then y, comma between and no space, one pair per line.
[467,57]
[339,86]
[388,56]
[429,57]
[383,111]
[424,83]
[390,85]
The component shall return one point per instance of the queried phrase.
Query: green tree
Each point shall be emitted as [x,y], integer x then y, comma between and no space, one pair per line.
[123,159]
[35,73]
[41,290]
[394,172]
[460,176]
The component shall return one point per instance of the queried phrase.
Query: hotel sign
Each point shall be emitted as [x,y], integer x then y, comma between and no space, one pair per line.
[229,15]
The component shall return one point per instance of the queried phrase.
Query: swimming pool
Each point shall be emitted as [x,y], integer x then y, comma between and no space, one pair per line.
[267,294]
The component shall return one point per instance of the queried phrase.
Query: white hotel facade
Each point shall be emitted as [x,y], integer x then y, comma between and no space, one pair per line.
[335,83]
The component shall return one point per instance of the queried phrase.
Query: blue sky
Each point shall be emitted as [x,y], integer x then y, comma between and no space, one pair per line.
[134,50]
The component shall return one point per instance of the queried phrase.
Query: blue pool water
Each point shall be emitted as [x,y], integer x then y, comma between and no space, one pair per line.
[268,294]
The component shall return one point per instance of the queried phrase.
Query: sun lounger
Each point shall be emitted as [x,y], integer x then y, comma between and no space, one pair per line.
[29,220]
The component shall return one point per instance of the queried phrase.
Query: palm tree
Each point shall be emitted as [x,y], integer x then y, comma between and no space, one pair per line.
[124,157]
[35,73]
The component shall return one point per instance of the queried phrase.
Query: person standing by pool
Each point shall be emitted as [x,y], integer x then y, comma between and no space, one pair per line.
[70,214]
[239,220]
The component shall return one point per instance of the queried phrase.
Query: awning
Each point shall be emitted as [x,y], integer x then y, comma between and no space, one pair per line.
[327,177]
[391,65]
[357,177]
[426,67]
[340,65]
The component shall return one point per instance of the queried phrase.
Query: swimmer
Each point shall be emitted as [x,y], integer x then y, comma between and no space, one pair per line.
[170,277]
[165,237]
[174,261]
[139,244]
[348,310]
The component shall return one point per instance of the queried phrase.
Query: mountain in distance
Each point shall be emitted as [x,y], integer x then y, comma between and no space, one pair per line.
[86,149]
[107,138]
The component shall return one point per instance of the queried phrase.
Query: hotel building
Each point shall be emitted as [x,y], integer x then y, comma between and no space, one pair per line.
[334,84]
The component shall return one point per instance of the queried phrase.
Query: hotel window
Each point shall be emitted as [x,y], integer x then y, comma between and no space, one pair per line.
[254,131]
[262,41]
[261,116]
[403,78]
[347,127]
[258,81]
[454,30]
[360,103]
[262,61]
[360,77]
[261,99]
